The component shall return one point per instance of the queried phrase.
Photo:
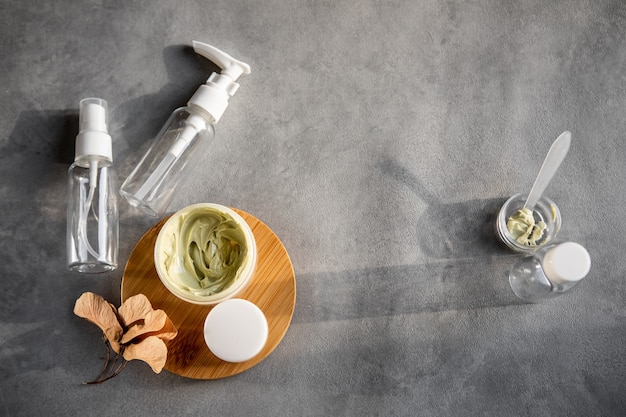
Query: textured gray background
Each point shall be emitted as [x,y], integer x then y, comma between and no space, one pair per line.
[377,139]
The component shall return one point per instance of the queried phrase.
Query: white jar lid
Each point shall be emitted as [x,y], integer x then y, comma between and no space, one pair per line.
[566,262]
[235,330]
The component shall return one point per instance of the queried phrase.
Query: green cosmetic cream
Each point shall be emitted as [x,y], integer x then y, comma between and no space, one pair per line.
[522,227]
[204,252]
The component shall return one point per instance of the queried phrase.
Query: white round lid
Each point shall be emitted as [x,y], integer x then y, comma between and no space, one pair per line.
[235,330]
[566,262]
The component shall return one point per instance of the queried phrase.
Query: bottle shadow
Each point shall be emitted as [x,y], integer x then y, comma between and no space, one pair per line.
[40,148]
[451,230]
[467,284]
[468,270]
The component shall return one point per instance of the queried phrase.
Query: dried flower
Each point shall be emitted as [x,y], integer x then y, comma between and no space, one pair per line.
[134,331]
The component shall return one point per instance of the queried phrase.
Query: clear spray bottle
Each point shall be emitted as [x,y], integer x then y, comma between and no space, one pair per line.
[92,219]
[184,137]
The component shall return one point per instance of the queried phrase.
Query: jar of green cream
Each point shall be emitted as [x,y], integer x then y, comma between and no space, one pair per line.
[205,253]
[519,229]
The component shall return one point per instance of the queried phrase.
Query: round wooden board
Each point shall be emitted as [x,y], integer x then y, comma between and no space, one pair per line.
[272,289]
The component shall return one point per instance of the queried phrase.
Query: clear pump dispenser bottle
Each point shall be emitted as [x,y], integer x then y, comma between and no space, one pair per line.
[92,218]
[184,137]
[550,272]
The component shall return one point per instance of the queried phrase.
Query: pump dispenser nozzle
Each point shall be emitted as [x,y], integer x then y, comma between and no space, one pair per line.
[229,65]
[213,96]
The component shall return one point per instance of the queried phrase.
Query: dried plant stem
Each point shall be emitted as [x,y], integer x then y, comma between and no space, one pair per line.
[113,368]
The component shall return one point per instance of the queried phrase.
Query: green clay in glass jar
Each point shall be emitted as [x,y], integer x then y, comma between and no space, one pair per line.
[523,228]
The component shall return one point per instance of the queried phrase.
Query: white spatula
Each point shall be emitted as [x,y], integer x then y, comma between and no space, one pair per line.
[551,164]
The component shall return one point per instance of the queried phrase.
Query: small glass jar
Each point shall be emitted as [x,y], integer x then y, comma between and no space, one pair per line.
[545,210]
[550,272]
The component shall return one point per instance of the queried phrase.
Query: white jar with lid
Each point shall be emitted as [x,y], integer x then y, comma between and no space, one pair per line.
[550,272]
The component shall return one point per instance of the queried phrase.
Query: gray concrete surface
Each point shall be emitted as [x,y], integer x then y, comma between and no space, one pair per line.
[377,139]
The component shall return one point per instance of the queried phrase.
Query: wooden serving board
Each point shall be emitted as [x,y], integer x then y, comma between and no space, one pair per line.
[272,289]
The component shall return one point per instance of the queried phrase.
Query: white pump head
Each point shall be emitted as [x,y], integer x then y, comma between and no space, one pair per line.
[213,96]
[93,141]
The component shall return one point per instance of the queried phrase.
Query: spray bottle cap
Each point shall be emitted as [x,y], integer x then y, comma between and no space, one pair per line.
[566,262]
[213,96]
[93,140]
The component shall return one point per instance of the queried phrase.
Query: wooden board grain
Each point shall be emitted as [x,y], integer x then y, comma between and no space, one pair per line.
[272,289]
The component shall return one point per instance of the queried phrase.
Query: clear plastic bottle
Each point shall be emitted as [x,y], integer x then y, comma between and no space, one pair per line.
[550,272]
[183,138]
[92,217]
[180,143]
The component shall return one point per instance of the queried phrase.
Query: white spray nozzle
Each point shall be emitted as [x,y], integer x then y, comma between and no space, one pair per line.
[93,141]
[93,115]
[213,96]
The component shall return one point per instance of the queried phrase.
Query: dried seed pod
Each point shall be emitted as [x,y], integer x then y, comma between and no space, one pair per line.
[100,312]
[151,350]
[134,331]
